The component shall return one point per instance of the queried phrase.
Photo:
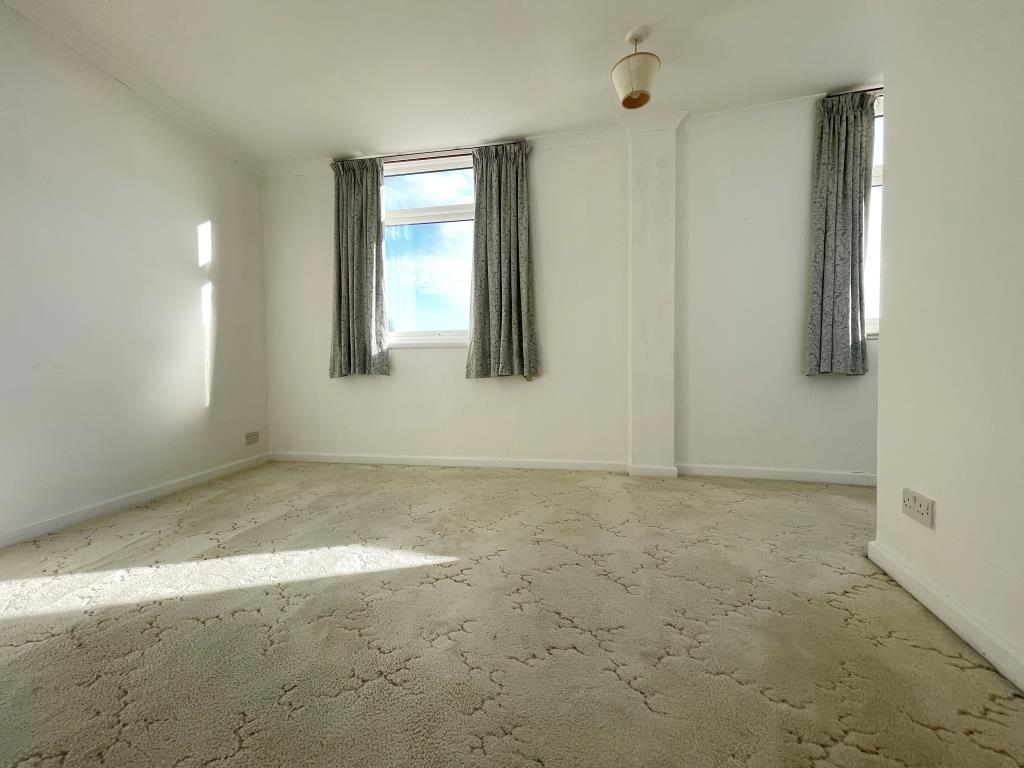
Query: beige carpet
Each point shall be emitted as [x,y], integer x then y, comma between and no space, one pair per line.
[325,615]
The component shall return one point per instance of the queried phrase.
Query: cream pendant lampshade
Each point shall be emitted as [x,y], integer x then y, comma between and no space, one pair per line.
[634,74]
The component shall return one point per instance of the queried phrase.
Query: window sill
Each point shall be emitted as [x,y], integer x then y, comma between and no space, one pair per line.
[430,342]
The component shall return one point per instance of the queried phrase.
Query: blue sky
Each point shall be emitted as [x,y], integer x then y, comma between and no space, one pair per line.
[419,190]
[428,266]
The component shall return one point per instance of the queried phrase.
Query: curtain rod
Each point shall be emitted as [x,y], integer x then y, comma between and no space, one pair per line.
[844,92]
[433,154]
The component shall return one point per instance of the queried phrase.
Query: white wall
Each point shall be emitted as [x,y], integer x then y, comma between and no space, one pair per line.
[950,402]
[103,385]
[653,209]
[574,413]
[744,405]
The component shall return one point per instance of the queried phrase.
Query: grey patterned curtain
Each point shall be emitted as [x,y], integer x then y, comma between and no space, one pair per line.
[358,343]
[836,339]
[502,327]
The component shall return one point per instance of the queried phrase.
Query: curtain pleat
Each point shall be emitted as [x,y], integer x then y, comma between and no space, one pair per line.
[358,334]
[836,336]
[502,332]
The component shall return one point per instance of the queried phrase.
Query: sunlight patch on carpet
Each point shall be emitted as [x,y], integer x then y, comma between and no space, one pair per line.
[125,586]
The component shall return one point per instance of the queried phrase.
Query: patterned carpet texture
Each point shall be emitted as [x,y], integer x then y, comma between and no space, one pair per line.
[331,615]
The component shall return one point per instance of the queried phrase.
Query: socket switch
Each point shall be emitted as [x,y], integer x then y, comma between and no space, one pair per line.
[919,507]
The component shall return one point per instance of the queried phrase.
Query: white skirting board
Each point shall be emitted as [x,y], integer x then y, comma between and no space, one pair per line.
[65,519]
[780,473]
[649,470]
[147,494]
[637,470]
[1003,655]
[450,461]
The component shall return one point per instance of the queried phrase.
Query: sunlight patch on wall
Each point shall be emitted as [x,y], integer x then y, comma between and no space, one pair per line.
[87,590]
[204,234]
[204,241]
[206,302]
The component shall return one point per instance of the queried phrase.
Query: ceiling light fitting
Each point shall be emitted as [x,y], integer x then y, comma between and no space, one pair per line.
[634,74]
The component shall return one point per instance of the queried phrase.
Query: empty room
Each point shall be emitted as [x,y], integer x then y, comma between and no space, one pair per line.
[511,383]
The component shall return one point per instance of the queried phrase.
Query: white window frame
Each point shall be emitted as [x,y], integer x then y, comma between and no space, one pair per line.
[431,215]
[871,323]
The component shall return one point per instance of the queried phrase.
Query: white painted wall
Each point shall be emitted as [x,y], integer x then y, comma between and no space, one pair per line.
[574,413]
[652,293]
[103,385]
[742,402]
[744,405]
[950,403]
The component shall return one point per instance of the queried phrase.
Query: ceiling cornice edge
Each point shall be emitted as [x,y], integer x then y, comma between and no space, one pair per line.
[654,121]
[749,113]
[43,17]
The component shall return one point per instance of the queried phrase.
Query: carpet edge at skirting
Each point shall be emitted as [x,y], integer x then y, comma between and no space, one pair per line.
[64,519]
[999,650]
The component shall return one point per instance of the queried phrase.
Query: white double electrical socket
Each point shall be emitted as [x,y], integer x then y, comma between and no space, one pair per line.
[919,507]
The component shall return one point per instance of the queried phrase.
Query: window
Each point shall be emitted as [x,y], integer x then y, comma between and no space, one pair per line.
[428,251]
[873,246]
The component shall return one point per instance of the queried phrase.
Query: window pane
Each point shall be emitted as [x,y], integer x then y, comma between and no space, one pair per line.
[879,141]
[421,190]
[427,273]
[873,255]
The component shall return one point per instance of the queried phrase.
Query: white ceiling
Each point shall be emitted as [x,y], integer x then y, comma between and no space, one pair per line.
[302,79]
